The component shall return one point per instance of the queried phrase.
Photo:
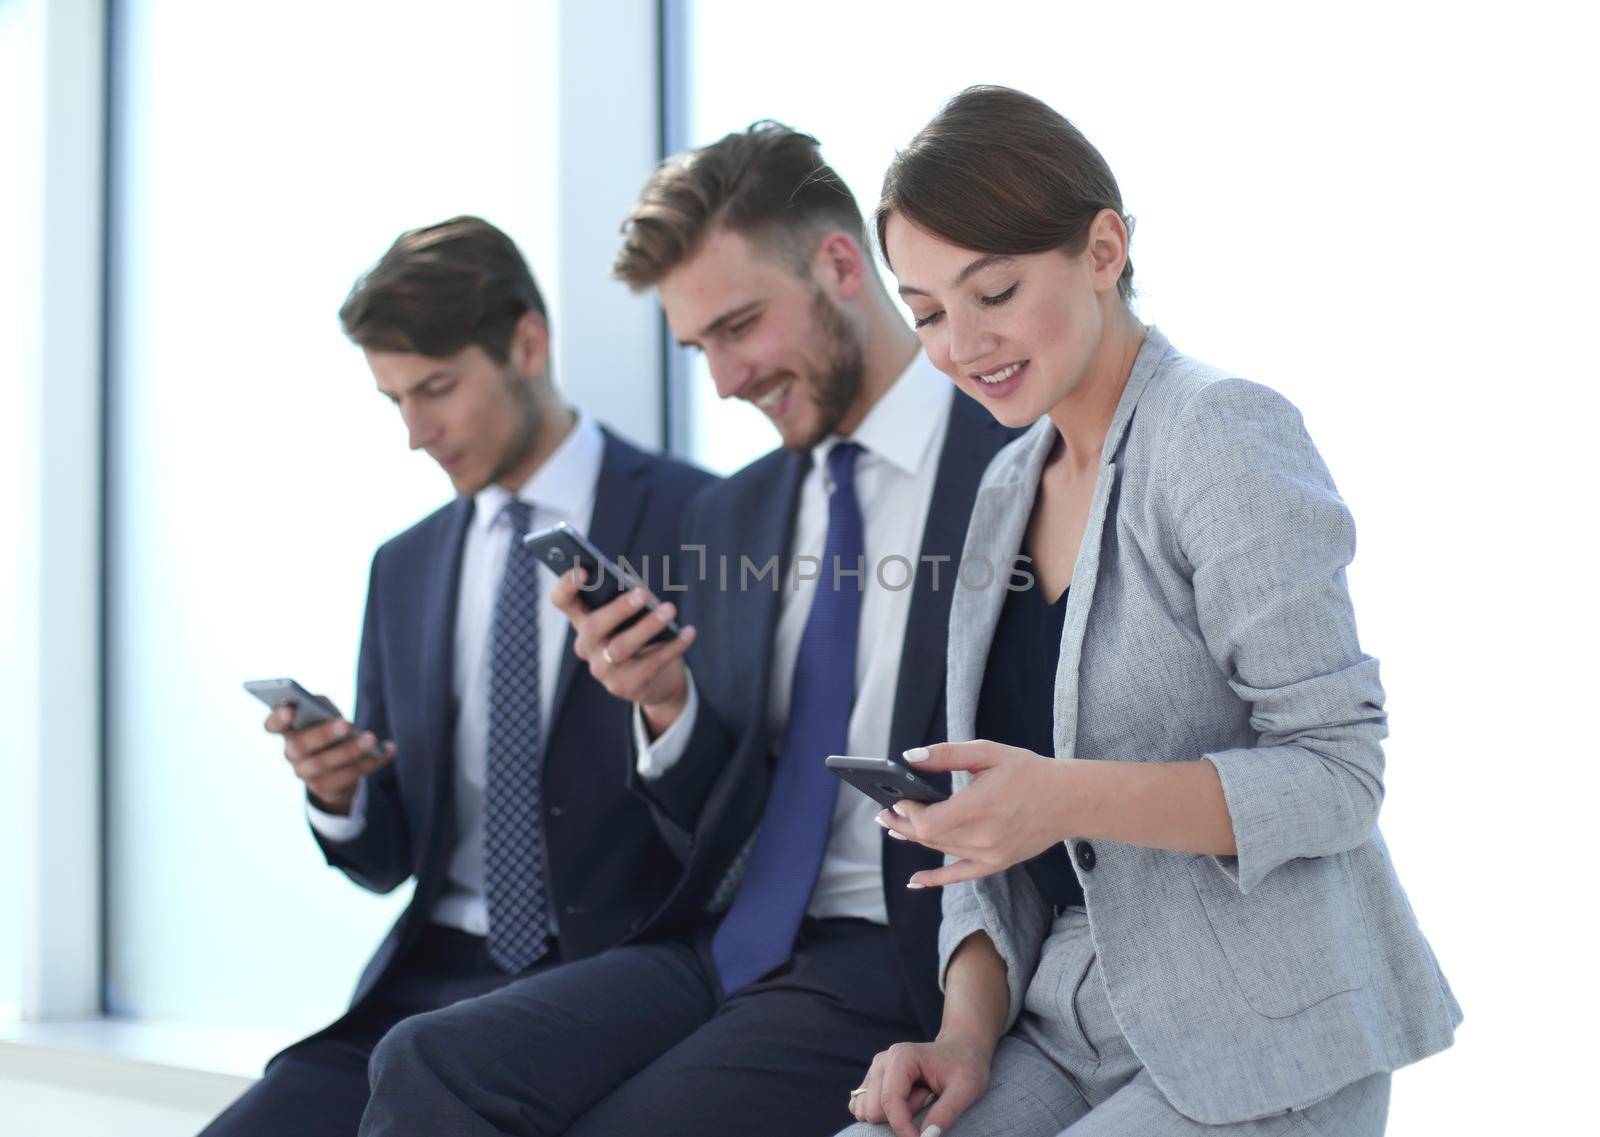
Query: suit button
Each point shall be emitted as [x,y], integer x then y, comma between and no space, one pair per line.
[556,811]
[571,910]
[1085,853]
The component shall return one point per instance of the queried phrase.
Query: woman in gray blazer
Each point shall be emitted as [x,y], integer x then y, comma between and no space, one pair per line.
[1229,950]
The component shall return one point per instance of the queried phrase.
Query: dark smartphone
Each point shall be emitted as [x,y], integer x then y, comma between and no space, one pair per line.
[561,547]
[884,780]
[309,711]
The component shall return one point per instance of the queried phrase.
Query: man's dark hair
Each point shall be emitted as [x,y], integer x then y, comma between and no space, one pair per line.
[767,183]
[441,288]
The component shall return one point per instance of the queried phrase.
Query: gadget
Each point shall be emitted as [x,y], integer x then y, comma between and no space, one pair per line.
[561,548]
[309,711]
[884,780]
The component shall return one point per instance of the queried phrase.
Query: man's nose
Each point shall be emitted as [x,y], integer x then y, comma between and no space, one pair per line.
[421,431]
[729,372]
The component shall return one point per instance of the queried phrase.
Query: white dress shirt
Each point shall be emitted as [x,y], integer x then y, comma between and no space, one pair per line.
[562,489]
[901,439]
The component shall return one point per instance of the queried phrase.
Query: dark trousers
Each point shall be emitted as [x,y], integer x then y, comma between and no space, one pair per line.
[318,1087]
[641,1040]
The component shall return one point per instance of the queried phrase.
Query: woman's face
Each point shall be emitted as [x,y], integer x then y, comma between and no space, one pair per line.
[1017,333]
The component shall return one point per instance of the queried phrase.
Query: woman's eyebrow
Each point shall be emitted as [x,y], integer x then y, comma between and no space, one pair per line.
[964,275]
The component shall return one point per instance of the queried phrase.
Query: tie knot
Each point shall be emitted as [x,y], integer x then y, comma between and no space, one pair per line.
[842,464]
[520,514]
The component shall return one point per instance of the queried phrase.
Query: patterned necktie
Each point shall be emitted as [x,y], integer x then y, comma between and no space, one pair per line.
[513,840]
[758,933]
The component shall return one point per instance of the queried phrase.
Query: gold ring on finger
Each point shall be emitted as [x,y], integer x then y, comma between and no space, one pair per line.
[858,1091]
[606,653]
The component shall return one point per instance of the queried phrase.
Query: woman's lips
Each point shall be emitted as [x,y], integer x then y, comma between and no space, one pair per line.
[1005,380]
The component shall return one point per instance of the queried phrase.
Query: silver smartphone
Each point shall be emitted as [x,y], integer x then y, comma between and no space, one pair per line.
[884,780]
[309,711]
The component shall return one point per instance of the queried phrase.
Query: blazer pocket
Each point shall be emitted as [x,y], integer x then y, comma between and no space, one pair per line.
[1299,937]
[1066,964]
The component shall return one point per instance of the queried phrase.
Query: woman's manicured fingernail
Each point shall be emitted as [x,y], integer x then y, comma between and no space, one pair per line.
[933,1131]
[914,884]
[917,754]
[898,836]
[900,808]
[882,818]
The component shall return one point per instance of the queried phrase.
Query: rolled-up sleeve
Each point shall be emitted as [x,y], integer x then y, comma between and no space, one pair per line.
[1267,538]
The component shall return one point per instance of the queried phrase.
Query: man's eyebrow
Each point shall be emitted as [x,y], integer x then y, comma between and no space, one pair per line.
[723,321]
[439,373]
[965,274]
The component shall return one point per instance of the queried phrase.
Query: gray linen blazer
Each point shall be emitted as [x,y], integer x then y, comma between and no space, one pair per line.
[1209,619]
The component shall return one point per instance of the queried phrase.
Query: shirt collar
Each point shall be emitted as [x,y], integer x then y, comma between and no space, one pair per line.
[902,424]
[563,484]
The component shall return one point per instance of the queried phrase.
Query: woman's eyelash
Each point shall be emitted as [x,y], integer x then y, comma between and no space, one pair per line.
[1000,297]
[930,318]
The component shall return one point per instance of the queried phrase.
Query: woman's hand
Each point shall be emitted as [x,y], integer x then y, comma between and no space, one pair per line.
[905,1077]
[1018,805]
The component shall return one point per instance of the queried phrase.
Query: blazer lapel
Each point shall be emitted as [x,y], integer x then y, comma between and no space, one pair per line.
[1086,569]
[762,528]
[972,439]
[999,518]
[621,492]
[436,659]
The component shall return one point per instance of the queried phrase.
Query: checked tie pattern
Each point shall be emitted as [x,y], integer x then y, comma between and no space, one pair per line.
[757,935]
[513,836]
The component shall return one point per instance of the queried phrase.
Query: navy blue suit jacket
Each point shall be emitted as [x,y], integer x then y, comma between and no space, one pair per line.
[607,869]
[709,802]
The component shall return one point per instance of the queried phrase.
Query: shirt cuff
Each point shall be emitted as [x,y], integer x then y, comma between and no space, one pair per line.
[656,758]
[340,827]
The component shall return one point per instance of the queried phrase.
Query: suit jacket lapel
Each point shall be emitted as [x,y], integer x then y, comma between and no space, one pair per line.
[971,440]
[763,528]
[621,493]
[436,659]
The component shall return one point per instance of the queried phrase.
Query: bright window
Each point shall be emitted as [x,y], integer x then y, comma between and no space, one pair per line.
[267,154]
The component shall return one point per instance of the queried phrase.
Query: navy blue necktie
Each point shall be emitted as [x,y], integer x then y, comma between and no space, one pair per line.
[513,837]
[758,933]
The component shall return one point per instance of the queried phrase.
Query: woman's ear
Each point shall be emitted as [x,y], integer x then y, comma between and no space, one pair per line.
[1107,248]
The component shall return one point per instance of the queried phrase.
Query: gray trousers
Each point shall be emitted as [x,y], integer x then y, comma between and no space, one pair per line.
[1065,1070]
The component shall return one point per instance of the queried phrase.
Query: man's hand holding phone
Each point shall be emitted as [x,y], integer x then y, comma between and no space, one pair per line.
[331,758]
[625,662]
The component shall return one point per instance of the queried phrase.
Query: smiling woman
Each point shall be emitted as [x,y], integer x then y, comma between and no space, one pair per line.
[1210,752]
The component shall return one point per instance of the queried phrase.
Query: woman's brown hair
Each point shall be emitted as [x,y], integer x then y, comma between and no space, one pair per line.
[997,171]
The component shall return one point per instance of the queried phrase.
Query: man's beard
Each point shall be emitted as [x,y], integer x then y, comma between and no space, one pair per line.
[523,442]
[836,384]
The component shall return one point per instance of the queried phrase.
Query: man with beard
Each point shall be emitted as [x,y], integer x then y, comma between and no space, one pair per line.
[825,578]
[482,761]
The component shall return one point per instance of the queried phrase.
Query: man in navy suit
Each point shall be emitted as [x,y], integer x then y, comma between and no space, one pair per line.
[482,760]
[791,951]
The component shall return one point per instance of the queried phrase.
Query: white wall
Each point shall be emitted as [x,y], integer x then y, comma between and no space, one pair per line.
[1387,213]
[16,204]
[52,74]
[268,155]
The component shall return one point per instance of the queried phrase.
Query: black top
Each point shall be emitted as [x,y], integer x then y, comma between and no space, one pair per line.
[1017,707]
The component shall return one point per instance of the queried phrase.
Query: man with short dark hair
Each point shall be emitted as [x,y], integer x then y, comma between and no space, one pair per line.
[793,951]
[482,760]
